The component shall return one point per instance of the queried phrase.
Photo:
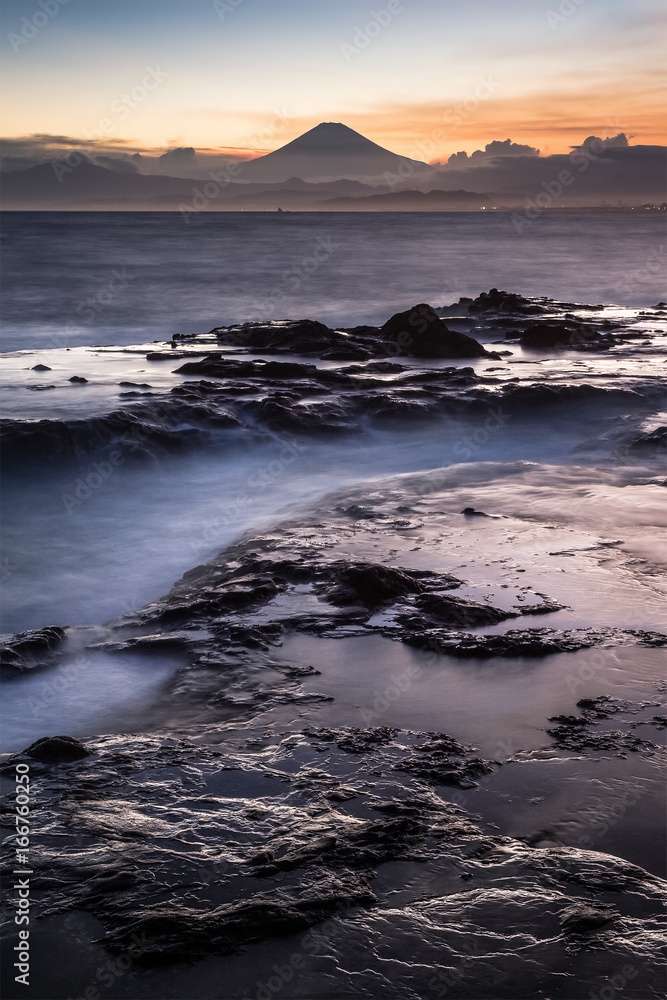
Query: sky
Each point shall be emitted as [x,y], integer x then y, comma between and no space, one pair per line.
[425,78]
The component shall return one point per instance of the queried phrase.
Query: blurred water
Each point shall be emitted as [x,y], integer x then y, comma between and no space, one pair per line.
[75,555]
[74,278]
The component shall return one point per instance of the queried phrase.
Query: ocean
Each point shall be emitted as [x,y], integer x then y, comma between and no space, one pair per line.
[318,600]
[86,278]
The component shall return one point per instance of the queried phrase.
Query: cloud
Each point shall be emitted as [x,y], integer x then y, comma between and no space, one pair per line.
[181,156]
[120,155]
[492,149]
[119,164]
[594,141]
[597,170]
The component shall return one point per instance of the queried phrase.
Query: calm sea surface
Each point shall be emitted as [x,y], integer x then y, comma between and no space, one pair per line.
[121,278]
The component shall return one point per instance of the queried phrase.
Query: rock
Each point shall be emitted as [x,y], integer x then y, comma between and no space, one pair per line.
[471,512]
[443,761]
[77,378]
[583,918]
[651,445]
[353,740]
[346,354]
[183,934]
[370,584]
[30,650]
[515,642]
[419,332]
[572,735]
[219,367]
[41,368]
[496,301]
[457,612]
[167,355]
[56,750]
[398,872]
[304,336]
[564,335]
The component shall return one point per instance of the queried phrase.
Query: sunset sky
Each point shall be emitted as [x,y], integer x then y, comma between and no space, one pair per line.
[477,70]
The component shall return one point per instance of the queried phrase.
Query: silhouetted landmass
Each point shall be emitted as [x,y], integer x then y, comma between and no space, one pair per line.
[334,168]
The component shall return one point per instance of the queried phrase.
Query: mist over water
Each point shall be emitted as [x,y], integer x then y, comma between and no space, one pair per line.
[84,561]
[121,278]
[86,542]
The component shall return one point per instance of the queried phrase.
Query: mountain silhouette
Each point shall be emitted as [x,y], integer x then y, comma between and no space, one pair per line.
[329,151]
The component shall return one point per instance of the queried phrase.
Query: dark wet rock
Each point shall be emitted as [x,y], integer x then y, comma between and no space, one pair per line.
[357,512]
[287,336]
[515,642]
[329,416]
[41,368]
[184,934]
[577,732]
[376,368]
[645,638]
[30,650]
[471,512]
[369,584]
[167,355]
[455,612]
[293,836]
[354,740]
[583,919]
[569,720]
[261,397]
[565,335]
[650,445]
[444,761]
[148,429]
[225,587]
[573,736]
[496,301]
[602,707]
[254,636]
[77,378]
[346,354]
[324,621]
[574,732]
[214,364]
[419,332]
[658,721]
[56,750]
[546,607]
[167,641]
[296,671]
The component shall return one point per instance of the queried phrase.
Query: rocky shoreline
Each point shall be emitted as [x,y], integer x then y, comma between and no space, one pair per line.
[411,740]
[224,398]
[254,818]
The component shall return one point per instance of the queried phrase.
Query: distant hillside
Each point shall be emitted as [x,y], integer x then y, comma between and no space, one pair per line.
[84,186]
[89,186]
[418,201]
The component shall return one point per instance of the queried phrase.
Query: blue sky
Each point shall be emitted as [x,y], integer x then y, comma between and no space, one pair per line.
[394,71]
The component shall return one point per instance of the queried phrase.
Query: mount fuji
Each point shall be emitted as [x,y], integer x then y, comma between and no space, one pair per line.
[328,152]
